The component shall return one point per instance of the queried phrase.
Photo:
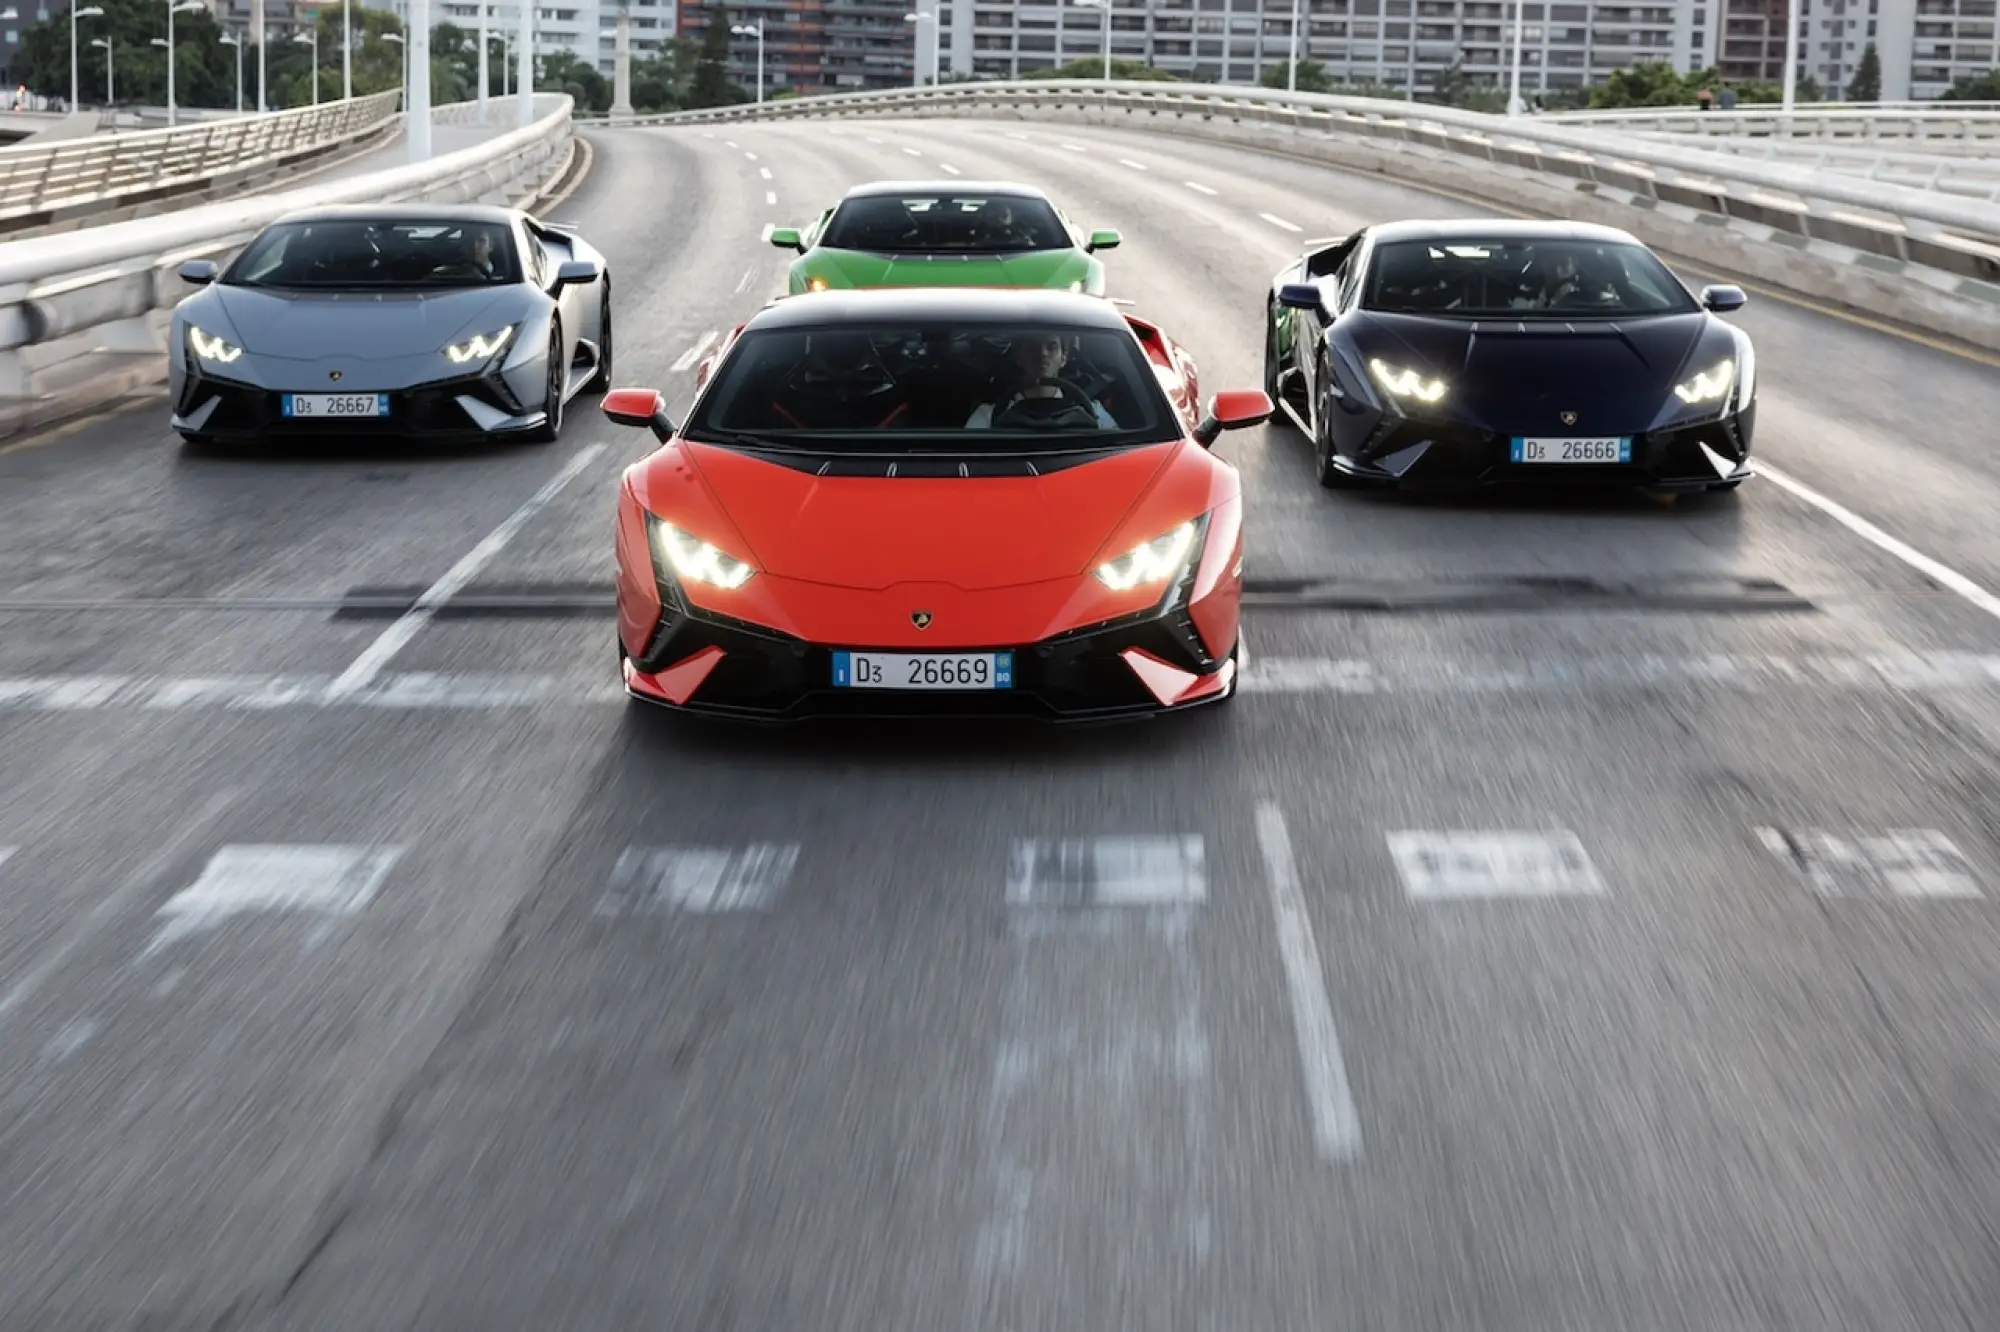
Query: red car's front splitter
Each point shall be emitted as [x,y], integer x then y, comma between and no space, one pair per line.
[677,683]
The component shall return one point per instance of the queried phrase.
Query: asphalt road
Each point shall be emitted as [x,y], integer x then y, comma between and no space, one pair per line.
[473,999]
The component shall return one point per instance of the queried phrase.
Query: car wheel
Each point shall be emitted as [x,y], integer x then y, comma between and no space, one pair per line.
[558,379]
[601,381]
[1330,476]
[1271,353]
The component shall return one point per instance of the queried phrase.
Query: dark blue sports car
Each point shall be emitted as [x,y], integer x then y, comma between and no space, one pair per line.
[1472,353]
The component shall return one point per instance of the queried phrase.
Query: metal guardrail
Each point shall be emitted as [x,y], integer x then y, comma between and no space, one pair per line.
[73,305]
[1923,228]
[1936,124]
[40,183]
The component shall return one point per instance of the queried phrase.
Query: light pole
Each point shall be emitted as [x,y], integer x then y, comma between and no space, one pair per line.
[1292,75]
[755,30]
[524,69]
[919,18]
[1791,52]
[1515,106]
[173,112]
[110,97]
[346,49]
[257,40]
[417,79]
[88,11]
[311,38]
[231,39]
[485,77]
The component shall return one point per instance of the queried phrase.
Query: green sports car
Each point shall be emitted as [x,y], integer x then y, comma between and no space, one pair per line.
[945,234]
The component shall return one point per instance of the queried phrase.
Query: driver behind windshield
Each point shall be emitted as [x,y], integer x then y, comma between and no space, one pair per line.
[1040,396]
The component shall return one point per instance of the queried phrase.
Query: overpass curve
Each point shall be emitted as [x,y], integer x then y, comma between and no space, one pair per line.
[482,1081]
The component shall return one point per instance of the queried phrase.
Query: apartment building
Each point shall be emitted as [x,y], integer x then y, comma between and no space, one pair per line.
[1398,44]
[1924,46]
[817,46]
[586,29]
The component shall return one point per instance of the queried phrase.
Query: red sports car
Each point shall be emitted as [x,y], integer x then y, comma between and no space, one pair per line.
[925,501]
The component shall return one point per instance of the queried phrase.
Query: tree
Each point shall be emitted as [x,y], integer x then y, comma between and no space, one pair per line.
[1092,67]
[204,69]
[1650,83]
[1452,84]
[710,85]
[564,72]
[1313,77]
[1866,85]
[1977,88]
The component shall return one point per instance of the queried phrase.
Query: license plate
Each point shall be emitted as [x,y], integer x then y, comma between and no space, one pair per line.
[923,670]
[336,404]
[1603,449]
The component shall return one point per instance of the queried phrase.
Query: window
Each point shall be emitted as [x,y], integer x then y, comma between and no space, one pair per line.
[946,223]
[947,386]
[1475,278]
[376,254]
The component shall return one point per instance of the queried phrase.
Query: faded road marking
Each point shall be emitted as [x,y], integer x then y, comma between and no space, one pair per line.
[1106,871]
[1336,1122]
[1197,186]
[1493,864]
[702,879]
[1277,221]
[687,358]
[321,880]
[1902,862]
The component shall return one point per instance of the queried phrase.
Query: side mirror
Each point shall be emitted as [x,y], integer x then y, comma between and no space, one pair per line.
[787,238]
[640,407]
[1232,409]
[1300,296]
[577,272]
[200,272]
[1722,299]
[1105,239]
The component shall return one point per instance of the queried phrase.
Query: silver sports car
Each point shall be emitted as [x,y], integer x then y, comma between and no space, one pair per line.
[411,321]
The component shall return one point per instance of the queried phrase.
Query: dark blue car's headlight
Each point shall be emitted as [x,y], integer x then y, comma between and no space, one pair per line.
[1710,385]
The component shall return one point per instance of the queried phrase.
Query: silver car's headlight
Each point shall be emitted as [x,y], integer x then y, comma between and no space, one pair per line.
[692,560]
[1401,382]
[209,347]
[1154,561]
[479,348]
[1710,385]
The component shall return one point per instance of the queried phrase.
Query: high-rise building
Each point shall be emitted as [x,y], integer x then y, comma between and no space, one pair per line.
[816,46]
[1924,46]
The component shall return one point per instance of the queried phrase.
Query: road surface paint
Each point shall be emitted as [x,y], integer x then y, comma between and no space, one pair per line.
[1903,862]
[701,879]
[1493,864]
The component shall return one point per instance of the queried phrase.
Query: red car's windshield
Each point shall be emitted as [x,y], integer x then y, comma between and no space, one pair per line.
[890,387]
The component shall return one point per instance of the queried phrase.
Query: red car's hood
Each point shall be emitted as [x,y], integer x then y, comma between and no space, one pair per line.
[971,533]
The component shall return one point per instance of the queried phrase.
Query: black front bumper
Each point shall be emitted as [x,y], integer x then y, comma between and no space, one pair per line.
[427,413]
[1077,676]
[1429,455]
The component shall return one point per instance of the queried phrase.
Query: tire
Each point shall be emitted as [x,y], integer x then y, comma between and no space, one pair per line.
[1271,353]
[600,382]
[558,380]
[1329,476]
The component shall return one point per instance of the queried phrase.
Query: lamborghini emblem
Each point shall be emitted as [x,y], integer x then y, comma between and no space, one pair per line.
[333,374]
[1569,418]
[921,619]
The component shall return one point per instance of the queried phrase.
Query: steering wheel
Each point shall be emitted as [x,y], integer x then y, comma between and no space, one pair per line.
[1073,407]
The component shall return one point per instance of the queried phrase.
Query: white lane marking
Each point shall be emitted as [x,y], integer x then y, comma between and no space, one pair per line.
[765,172]
[1336,1123]
[764,236]
[948,168]
[1277,221]
[398,635]
[914,152]
[1076,147]
[730,142]
[744,281]
[73,1037]
[751,156]
[704,879]
[1136,166]
[1197,186]
[7,851]
[190,830]
[1442,865]
[873,139]
[1902,862]
[770,197]
[693,354]
[1875,536]
[322,880]
[1106,871]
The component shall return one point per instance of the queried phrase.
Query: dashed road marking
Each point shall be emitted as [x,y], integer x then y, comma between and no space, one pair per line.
[744,281]
[1277,221]
[914,152]
[1076,147]
[114,903]
[6,852]
[770,197]
[1441,865]
[1336,1122]
[687,358]
[1197,186]
[398,635]
[730,142]
[751,156]
[948,168]
[873,139]
[700,879]
[765,172]
[320,880]
[73,1037]
[1136,166]
[1106,871]
[1902,862]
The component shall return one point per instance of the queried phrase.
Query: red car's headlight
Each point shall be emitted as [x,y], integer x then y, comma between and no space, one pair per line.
[682,557]
[1157,561]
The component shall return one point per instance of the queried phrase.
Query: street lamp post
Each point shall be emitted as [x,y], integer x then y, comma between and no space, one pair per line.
[1791,52]
[231,39]
[1292,75]
[485,77]
[257,40]
[755,30]
[920,18]
[417,79]
[173,111]
[88,11]
[311,38]
[524,67]
[1515,106]
[346,49]
[110,95]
